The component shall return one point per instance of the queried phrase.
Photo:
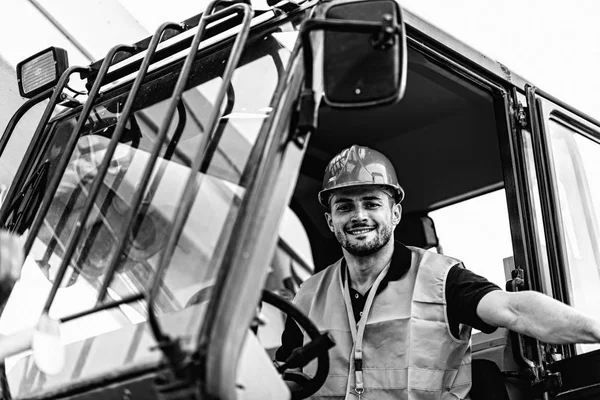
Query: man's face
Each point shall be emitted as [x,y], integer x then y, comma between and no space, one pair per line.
[362,219]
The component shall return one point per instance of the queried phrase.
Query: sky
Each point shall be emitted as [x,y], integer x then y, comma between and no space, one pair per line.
[552,43]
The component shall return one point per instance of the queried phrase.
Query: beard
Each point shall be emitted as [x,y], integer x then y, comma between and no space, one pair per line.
[365,248]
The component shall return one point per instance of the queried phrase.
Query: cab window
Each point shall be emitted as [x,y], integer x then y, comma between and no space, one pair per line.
[577,169]
[477,232]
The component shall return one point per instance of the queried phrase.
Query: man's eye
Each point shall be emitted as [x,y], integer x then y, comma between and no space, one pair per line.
[343,208]
[371,205]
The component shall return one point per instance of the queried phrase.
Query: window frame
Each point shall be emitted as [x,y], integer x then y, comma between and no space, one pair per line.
[544,109]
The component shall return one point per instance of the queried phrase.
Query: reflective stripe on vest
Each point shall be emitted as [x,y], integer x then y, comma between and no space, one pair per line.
[408,350]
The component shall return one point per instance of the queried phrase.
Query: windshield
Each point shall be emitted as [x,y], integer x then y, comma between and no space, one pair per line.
[222,180]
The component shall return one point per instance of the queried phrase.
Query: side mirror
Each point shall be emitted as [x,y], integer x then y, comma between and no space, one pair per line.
[363,52]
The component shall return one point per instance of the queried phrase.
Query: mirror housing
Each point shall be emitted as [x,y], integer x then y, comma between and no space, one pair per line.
[362,52]
[365,69]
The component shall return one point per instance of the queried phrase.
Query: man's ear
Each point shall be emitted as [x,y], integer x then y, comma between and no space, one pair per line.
[329,221]
[396,213]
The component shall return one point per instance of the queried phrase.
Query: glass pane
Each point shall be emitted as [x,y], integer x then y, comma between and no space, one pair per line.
[577,167]
[17,145]
[221,183]
[538,220]
[477,232]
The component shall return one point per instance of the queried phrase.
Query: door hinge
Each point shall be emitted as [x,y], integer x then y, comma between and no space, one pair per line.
[520,114]
[517,282]
[550,383]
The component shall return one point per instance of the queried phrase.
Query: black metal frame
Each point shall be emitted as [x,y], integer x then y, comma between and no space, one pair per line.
[556,248]
[35,141]
[19,114]
[524,230]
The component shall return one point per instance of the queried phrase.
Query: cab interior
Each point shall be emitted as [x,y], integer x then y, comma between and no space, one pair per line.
[443,139]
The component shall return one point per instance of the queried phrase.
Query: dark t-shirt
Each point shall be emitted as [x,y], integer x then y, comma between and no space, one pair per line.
[464,290]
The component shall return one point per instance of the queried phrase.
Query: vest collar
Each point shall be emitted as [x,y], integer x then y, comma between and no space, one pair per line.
[399,266]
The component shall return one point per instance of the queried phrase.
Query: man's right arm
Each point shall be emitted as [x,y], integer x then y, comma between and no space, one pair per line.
[539,316]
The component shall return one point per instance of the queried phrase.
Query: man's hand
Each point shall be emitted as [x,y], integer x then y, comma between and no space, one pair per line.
[11,261]
[539,316]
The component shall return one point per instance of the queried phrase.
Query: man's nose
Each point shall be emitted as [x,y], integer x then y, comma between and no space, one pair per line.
[360,214]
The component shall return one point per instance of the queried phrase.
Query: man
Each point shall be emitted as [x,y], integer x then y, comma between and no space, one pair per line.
[402,316]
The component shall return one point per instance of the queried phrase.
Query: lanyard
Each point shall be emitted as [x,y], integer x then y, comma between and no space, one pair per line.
[357,335]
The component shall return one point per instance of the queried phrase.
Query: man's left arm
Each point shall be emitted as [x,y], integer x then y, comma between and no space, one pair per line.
[539,316]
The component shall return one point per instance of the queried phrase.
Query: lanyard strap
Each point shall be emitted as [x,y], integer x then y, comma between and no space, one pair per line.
[357,335]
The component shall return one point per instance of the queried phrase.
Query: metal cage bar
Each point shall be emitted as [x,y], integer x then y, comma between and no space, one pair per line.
[106,306]
[189,192]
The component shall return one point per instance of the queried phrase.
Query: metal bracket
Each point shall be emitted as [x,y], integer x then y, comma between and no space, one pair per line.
[550,383]
[520,114]
[517,282]
[305,120]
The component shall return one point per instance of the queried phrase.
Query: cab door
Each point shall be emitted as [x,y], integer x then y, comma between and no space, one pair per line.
[565,145]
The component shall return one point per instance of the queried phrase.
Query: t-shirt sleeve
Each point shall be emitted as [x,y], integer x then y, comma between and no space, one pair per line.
[291,338]
[464,290]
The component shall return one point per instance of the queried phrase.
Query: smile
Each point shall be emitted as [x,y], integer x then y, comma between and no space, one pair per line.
[360,231]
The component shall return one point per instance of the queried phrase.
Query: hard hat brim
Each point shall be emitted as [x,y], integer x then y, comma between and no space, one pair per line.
[325,195]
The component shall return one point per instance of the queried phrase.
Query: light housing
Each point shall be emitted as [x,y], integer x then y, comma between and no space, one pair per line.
[41,71]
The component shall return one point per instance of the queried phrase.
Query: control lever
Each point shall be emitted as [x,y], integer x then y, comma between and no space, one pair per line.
[301,356]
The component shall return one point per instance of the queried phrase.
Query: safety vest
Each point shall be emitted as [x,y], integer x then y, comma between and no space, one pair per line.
[408,351]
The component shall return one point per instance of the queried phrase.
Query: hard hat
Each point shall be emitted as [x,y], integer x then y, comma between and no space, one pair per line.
[359,166]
